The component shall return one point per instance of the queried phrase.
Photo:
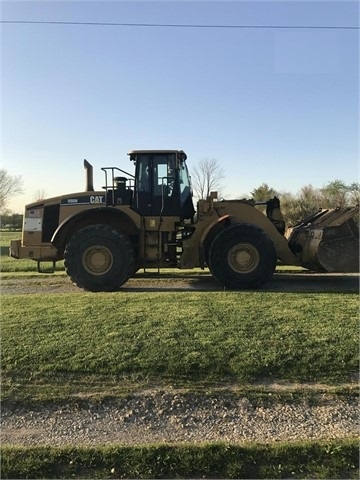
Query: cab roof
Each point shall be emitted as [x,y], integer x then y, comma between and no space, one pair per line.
[132,152]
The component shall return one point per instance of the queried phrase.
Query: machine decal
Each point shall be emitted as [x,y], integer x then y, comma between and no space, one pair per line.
[97,199]
[36,213]
[85,200]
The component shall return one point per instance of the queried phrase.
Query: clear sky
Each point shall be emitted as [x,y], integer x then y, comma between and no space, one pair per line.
[271,105]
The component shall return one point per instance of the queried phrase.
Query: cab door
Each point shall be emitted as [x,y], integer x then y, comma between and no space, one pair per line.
[157,185]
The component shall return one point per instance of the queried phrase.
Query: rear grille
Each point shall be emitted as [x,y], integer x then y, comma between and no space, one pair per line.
[50,221]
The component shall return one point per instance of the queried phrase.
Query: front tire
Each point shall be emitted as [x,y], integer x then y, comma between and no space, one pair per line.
[98,258]
[242,256]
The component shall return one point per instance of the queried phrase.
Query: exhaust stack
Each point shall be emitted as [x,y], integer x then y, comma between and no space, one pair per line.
[89,177]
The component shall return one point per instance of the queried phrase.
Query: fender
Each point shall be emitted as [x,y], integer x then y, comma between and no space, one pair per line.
[106,215]
[243,213]
[208,235]
[194,248]
[212,225]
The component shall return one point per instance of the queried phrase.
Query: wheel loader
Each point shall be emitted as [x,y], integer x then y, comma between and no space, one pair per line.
[147,220]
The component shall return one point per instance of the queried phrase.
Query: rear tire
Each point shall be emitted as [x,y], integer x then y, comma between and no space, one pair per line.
[98,258]
[242,256]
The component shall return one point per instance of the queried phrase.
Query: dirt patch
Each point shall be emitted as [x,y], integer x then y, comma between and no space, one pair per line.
[280,282]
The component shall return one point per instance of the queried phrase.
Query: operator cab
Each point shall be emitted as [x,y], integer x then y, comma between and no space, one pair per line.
[162,183]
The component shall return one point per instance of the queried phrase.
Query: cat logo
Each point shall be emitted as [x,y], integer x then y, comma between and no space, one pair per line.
[97,199]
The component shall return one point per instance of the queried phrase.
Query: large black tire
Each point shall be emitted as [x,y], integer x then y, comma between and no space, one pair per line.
[242,256]
[98,258]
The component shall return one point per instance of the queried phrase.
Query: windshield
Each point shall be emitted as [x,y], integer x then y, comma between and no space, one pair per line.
[185,185]
[156,173]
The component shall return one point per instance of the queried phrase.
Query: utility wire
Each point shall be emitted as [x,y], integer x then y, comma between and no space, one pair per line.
[182,25]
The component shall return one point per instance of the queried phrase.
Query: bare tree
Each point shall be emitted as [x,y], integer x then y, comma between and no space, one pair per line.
[10,186]
[39,195]
[207,177]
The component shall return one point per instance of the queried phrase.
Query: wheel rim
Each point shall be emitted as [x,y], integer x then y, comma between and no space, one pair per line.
[97,260]
[243,257]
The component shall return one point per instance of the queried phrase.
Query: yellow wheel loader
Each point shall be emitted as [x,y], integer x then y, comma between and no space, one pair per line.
[147,220]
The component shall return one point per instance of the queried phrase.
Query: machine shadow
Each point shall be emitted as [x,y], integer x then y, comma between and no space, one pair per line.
[280,282]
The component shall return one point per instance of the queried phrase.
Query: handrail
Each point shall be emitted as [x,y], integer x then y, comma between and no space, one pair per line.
[107,186]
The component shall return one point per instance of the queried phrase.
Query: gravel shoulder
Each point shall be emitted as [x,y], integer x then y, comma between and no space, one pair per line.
[168,416]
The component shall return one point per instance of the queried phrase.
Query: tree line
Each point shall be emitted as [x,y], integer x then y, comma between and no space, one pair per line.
[208,176]
[309,200]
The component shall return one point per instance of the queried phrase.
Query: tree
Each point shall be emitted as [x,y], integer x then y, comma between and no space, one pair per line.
[12,221]
[263,193]
[309,199]
[334,194]
[39,195]
[296,207]
[289,208]
[354,194]
[338,194]
[10,186]
[207,177]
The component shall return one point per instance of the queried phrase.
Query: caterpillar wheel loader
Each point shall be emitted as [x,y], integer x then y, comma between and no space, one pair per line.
[147,220]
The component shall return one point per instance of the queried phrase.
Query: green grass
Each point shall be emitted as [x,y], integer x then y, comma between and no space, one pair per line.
[180,338]
[328,459]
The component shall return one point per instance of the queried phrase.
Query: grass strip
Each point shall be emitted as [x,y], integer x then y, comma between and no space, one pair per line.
[182,338]
[307,459]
